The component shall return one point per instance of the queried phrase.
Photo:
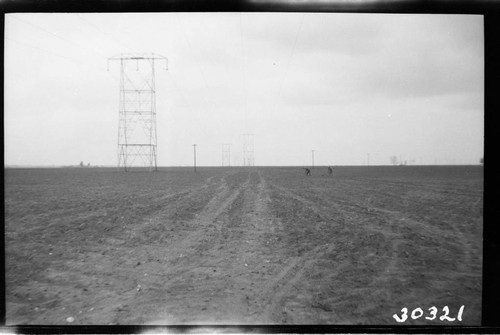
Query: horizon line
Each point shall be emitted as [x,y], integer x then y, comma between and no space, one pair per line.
[34,166]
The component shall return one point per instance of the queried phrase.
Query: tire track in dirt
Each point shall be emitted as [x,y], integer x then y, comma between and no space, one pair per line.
[279,287]
[218,205]
[413,201]
[242,250]
[124,238]
[292,279]
[139,296]
[194,282]
[449,233]
[323,211]
[444,188]
[316,294]
[244,227]
[218,202]
[414,223]
[341,212]
[386,215]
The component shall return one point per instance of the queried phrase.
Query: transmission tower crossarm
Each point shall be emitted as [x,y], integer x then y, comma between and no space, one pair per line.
[139,56]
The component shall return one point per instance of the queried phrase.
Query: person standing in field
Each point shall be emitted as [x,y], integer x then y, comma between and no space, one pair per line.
[308,172]
[330,171]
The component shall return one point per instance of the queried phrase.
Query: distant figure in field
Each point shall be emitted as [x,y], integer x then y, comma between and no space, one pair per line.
[330,171]
[308,172]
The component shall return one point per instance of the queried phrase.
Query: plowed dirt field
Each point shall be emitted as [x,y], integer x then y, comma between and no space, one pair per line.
[243,245]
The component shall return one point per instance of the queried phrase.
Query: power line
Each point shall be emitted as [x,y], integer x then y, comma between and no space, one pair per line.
[248,150]
[200,68]
[57,36]
[103,32]
[186,102]
[291,54]
[244,72]
[54,54]
[202,74]
[194,146]
[226,154]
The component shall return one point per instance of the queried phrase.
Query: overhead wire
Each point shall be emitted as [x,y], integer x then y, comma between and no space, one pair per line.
[291,54]
[172,115]
[57,36]
[63,39]
[158,97]
[107,35]
[103,32]
[182,90]
[200,67]
[244,74]
[86,64]
[54,54]
[216,105]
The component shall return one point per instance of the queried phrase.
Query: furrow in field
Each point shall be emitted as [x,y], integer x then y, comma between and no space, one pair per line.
[411,200]
[365,207]
[240,246]
[428,187]
[196,276]
[283,284]
[207,224]
[312,275]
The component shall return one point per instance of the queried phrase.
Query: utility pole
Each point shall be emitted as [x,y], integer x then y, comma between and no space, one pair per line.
[194,146]
[226,155]
[248,158]
[312,158]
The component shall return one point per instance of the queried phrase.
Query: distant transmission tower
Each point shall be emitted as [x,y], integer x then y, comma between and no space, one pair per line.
[248,159]
[226,155]
[137,110]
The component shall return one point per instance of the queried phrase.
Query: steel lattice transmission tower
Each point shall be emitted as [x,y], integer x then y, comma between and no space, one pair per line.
[226,154]
[248,159]
[137,142]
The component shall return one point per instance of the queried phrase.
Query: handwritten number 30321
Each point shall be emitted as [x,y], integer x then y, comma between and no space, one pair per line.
[418,312]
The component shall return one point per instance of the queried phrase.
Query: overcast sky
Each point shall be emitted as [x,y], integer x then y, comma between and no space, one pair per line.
[344,85]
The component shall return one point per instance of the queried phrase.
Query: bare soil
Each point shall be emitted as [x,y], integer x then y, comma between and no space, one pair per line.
[243,245]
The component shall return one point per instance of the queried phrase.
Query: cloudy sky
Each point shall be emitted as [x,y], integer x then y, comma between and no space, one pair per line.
[348,86]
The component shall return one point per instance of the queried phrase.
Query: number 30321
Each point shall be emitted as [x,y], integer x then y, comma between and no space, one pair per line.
[433,311]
